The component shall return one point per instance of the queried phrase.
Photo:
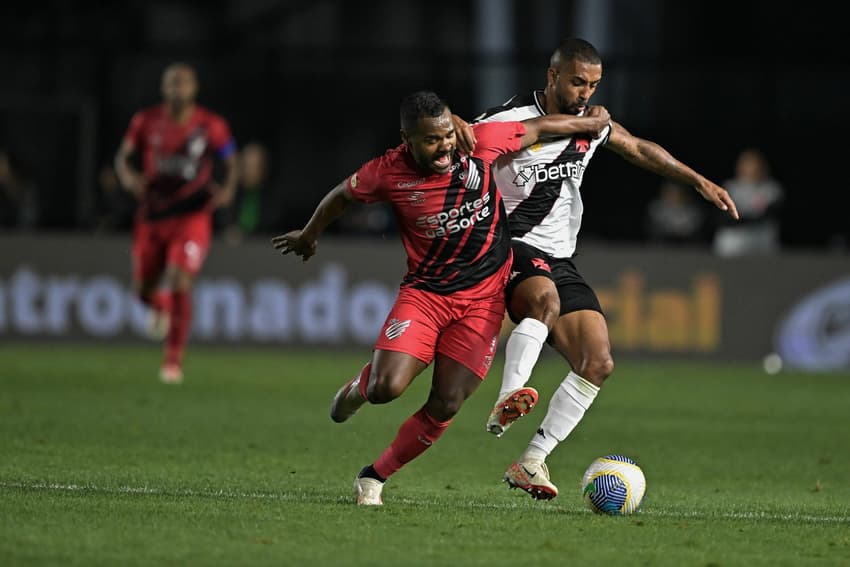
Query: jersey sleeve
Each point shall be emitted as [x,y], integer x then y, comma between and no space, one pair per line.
[221,138]
[501,115]
[135,131]
[365,183]
[497,138]
[607,135]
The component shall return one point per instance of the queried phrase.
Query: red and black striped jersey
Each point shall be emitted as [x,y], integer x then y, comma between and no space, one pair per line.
[453,225]
[177,158]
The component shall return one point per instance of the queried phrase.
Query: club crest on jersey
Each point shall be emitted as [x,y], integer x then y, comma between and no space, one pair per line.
[395,328]
[582,144]
[417,198]
[197,143]
[473,178]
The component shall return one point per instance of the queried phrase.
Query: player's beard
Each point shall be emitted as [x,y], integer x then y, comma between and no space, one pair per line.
[565,107]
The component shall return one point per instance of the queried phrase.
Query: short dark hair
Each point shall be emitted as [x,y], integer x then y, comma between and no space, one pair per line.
[574,48]
[421,104]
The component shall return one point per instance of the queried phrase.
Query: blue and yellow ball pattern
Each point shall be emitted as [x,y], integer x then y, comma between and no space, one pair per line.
[613,485]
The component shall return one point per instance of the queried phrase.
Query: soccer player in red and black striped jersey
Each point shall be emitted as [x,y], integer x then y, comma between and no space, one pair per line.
[451,304]
[178,142]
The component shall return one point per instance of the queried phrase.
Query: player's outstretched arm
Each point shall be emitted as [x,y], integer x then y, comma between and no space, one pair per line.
[303,242]
[565,125]
[652,157]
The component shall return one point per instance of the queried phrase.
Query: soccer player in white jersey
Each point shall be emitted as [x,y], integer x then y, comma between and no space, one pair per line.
[546,296]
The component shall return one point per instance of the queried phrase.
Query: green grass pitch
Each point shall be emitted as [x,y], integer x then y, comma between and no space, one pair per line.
[100,464]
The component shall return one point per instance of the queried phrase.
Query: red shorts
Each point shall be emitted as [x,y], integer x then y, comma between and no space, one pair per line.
[182,241]
[463,326]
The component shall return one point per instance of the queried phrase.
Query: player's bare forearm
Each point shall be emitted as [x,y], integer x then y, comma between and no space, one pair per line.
[649,156]
[329,209]
[652,157]
[564,125]
[131,180]
[304,242]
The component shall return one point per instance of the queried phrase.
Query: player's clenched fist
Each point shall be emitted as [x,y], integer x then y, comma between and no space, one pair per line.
[294,241]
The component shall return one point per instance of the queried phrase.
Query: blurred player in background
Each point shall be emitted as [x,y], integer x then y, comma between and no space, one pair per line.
[546,296]
[177,142]
[451,302]
[760,197]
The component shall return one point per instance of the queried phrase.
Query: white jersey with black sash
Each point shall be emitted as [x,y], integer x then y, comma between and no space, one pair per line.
[540,185]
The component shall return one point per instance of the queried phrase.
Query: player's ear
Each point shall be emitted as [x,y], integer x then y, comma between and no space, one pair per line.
[551,76]
[404,137]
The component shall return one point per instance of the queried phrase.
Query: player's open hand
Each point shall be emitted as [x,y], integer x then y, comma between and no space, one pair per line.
[719,196]
[136,184]
[295,242]
[464,135]
[221,196]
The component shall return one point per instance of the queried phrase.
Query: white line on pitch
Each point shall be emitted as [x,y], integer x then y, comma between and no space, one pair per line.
[305,497]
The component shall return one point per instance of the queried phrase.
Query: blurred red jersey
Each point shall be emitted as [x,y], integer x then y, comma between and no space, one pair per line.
[178,159]
[453,225]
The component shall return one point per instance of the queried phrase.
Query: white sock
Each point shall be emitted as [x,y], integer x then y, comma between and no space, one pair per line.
[572,398]
[521,354]
[534,455]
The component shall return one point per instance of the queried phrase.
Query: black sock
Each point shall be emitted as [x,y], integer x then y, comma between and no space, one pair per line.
[369,472]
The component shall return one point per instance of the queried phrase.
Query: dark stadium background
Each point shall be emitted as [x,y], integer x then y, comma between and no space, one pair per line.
[318,82]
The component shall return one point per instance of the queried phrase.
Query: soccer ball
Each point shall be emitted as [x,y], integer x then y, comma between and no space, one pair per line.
[613,485]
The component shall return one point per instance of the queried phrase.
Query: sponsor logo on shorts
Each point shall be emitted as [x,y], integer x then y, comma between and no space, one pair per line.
[541,264]
[193,253]
[395,328]
[488,358]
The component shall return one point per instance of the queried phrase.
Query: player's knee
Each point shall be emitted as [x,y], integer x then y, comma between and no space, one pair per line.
[545,306]
[598,368]
[443,409]
[179,280]
[383,388]
[450,408]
